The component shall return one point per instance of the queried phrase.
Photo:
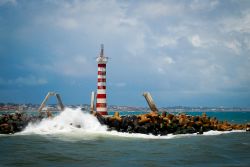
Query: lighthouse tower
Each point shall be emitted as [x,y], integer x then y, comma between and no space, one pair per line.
[101,102]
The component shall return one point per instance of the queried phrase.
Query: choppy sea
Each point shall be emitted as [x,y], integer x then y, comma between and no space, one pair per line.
[57,142]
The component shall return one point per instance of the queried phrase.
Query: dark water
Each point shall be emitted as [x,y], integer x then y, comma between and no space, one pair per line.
[233,117]
[70,149]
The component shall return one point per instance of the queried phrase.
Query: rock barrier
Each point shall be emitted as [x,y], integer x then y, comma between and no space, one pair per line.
[166,123]
[149,123]
[16,122]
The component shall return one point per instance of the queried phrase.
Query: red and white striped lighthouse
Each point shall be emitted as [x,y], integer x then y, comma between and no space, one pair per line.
[101,101]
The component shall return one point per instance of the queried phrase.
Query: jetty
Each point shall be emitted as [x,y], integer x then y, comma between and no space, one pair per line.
[165,123]
[153,122]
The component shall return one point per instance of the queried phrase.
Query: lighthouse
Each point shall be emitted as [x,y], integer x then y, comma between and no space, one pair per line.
[101,101]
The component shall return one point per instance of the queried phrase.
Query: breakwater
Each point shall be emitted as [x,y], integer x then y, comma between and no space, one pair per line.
[149,123]
[16,122]
[166,123]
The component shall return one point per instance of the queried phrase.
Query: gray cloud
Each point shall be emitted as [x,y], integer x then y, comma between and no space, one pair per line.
[193,47]
[24,81]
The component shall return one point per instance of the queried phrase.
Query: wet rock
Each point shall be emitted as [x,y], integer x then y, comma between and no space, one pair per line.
[124,124]
[101,119]
[116,124]
[78,126]
[248,127]
[191,129]
[142,129]
[200,130]
[16,122]
[130,129]
[164,114]
[6,128]
[164,133]
[206,127]
[177,131]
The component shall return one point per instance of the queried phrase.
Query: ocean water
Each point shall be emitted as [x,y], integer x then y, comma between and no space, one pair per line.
[73,138]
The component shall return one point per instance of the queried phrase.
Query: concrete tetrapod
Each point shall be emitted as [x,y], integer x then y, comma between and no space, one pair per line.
[166,123]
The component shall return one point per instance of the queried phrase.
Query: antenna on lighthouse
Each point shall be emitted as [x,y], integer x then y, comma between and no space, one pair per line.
[101,58]
[102,50]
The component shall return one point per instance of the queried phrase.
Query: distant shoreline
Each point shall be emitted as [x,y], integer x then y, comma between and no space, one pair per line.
[53,107]
[129,111]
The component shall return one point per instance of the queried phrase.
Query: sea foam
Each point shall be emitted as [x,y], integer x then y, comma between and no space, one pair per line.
[69,120]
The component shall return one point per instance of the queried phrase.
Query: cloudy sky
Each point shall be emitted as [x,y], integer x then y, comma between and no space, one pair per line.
[192,53]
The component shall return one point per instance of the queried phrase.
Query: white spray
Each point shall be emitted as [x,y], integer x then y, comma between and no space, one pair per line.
[69,120]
